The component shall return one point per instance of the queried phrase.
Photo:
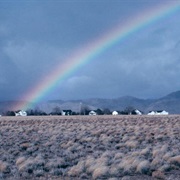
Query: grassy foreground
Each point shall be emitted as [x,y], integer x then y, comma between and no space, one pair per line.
[89,147]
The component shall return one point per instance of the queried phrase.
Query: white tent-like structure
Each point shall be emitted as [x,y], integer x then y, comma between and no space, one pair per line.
[114,113]
[158,113]
[92,113]
[138,112]
[21,113]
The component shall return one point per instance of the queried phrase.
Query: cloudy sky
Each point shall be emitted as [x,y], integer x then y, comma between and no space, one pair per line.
[37,35]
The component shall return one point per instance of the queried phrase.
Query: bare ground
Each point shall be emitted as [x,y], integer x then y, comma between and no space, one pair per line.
[90,147]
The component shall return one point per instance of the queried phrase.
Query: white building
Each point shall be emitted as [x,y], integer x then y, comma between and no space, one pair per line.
[152,113]
[21,113]
[92,113]
[162,112]
[138,112]
[158,113]
[114,113]
[63,113]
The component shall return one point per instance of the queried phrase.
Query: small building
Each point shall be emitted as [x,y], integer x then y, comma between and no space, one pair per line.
[114,113]
[21,113]
[138,112]
[66,112]
[151,113]
[161,112]
[92,113]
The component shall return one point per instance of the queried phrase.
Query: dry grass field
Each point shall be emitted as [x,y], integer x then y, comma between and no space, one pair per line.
[90,147]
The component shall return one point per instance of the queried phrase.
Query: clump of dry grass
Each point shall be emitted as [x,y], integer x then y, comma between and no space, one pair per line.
[167,156]
[93,164]
[175,160]
[100,172]
[156,163]
[118,155]
[27,166]
[113,170]
[157,152]
[128,164]
[158,174]
[90,161]
[4,167]
[30,165]
[143,167]
[78,169]
[131,144]
[146,151]
[20,160]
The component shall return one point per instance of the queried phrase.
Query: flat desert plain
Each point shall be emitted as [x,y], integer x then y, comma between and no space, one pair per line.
[90,147]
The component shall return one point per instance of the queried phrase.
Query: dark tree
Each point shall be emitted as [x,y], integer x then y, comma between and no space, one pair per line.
[10,113]
[38,112]
[56,111]
[74,113]
[99,112]
[84,109]
[30,112]
[129,110]
[107,111]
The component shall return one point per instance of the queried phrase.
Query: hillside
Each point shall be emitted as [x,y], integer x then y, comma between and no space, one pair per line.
[170,103]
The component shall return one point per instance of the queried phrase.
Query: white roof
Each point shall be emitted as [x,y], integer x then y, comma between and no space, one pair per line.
[114,113]
[158,113]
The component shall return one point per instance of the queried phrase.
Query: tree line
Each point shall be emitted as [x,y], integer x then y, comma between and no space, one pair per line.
[84,110]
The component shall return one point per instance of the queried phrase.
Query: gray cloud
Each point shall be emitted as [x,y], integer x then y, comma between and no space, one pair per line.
[35,37]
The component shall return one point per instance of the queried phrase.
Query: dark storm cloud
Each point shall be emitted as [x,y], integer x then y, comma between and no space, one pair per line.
[37,36]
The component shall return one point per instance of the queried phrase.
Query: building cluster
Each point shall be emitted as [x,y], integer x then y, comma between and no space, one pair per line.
[158,113]
[96,112]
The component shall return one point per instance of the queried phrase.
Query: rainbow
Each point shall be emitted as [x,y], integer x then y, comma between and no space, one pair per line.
[81,57]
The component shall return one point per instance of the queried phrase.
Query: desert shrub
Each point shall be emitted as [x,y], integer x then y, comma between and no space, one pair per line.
[113,178]
[108,154]
[55,163]
[135,153]
[158,175]
[167,156]
[77,169]
[100,162]
[83,176]
[4,167]
[20,160]
[26,166]
[100,172]
[55,172]
[175,160]
[136,162]
[89,161]
[30,165]
[125,138]
[143,167]
[125,165]
[145,151]
[165,167]
[24,146]
[39,161]
[38,172]
[157,152]
[113,170]
[157,162]
[165,148]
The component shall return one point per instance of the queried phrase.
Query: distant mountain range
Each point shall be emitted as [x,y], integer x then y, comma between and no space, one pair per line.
[170,103]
